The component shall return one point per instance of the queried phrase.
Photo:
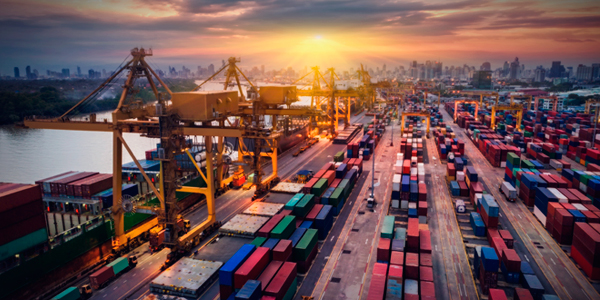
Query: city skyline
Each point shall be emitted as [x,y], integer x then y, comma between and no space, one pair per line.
[278,34]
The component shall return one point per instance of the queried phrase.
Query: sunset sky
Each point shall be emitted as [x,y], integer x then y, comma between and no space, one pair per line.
[55,34]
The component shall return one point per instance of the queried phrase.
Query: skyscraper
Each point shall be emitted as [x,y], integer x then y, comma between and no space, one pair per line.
[211,69]
[540,74]
[514,68]
[506,69]
[28,72]
[66,73]
[486,66]
[595,71]
[584,73]
[557,70]
[482,80]
[17,73]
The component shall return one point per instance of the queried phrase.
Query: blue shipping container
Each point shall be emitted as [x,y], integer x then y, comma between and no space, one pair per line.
[228,269]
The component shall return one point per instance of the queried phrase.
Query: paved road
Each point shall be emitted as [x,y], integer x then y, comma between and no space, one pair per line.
[565,278]
[446,234]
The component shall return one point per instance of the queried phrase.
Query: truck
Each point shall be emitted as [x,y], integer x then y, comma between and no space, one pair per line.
[75,293]
[460,206]
[509,191]
[157,234]
[117,267]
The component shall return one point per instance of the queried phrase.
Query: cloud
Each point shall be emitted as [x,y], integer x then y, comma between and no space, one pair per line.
[572,40]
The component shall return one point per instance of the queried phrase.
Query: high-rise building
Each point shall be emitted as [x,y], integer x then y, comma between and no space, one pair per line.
[66,73]
[584,73]
[506,69]
[211,69]
[17,72]
[78,71]
[557,70]
[595,71]
[514,69]
[482,80]
[486,66]
[28,72]
[540,74]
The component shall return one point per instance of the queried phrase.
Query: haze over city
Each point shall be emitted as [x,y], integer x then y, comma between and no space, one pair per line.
[277,34]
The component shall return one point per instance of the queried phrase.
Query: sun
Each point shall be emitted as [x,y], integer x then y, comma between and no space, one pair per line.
[318,37]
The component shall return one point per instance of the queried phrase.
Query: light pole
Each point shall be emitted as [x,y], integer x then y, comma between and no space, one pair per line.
[373,166]
[595,125]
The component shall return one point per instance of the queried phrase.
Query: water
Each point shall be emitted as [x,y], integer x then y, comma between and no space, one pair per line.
[27,155]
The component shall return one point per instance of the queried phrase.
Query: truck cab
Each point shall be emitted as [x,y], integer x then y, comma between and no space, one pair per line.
[371,202]
[85,291]
[132,260]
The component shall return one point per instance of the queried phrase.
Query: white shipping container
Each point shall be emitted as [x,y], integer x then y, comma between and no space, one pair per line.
[556,164]
[413,172]
[561,198]
[539,215]
[509,191]
[583,187]
[478,197]
[421,177]
[397,178]
[460,176]
[396,203]
[412,205]
[398,167]
[580,206]
[502,164]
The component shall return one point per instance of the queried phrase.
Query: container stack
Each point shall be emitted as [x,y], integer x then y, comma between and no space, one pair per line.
[486,264]
[586,248]
[22,221]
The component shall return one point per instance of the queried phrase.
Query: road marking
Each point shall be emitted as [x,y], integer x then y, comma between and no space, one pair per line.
[465,287]
[460,267]
[124,280]
[460,291]
[104,296]
[520,217]
[142,269]
[500,214]
[436,248]
[553,261]
[331,240]
[116,287]
[366,241]
[527,258]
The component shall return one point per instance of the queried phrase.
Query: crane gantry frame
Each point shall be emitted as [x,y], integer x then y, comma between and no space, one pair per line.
[424,114]
[513,107]
[456,102]
[171,122]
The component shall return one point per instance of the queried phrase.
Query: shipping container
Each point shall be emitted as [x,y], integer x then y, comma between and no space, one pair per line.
[283,250]
[19,195]
[119,265]
[305,246]
[227,271]
[99,278]
[252,290]
[269,272]
[71,293]
[285,228]
[252,267]
[282,281]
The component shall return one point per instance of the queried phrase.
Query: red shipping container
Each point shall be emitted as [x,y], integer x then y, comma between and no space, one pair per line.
[425,241]
[589,236]
[269,272]
[511,260]
[425,260]
[312,214]
[327,166]
[522,294]
[590,216]
[285,212]
[330,176]
[427,290]
[383,249]
[283,250]
[568,206]
[496,294]
[380,269]
[308,186]
[507,237]
[396,272]
[426,273]
[335,183]
[252,267]
[282,281]
[571,198]
[592,272]
[21,213]
[266,229]
[412,235]
[17,195]
[498,245]
[376,287]
[411,266]
[303,266]
[21,229]
[490,222]
[92,185]
[422,210]
[59,187]
[397,258]
[100,277]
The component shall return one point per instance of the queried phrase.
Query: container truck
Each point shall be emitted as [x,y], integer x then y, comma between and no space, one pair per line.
[102,277]
[74,293]
[509,191]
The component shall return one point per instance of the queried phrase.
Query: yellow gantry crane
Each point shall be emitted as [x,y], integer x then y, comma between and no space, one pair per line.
[513,107]
[424,114]
[196,113]
[465,102]
[589,103]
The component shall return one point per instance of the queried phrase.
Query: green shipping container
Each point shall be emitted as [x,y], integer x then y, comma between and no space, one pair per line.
[513,159]
[400,234]
[337,197]
[118,265]
[132,220]
[285,228]
[289,295]
[584,179]
[71,293]
[23,243]
[290,205]
[319,188]
[306,244]
[304,206]
[339,157]
[387,230]
[345,184]
[515,170]
[259,241]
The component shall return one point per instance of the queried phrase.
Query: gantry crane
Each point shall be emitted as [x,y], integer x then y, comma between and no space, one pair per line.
[202,114]
[514,107]
[483,94]
[330,94]
[527,98]
[589,103]
[456,102]
[424,114]
[537,99]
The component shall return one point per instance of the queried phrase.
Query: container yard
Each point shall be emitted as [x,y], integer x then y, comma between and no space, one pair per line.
[370,198]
